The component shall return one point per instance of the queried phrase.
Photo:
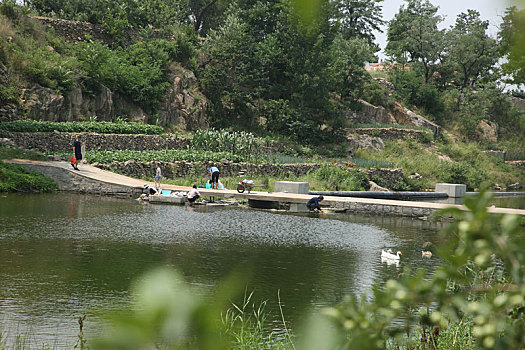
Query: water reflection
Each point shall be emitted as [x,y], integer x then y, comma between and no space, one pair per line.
[62,255]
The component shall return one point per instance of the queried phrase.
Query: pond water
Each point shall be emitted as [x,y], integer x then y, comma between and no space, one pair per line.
[63,255]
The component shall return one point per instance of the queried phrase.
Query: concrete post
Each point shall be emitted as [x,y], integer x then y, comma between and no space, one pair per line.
[292,187]
[452,190]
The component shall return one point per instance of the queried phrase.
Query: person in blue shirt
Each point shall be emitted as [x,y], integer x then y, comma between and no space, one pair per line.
[214,175]
[77,151]
[313,203]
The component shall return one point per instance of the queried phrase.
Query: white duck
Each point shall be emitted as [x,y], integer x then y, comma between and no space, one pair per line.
[426,254]
[387,254]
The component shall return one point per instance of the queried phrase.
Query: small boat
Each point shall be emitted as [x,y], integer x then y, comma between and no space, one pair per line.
[387,254]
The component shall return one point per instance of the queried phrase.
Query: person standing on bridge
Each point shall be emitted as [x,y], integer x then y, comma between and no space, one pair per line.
[214,176]
[77,151]
[158,176]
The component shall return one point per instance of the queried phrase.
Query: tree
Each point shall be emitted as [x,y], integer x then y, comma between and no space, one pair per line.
[359,18]
[471,52]
[229,77]
[512,47]
[413,36]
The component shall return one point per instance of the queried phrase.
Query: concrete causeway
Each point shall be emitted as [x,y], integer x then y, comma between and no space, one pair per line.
[94,180]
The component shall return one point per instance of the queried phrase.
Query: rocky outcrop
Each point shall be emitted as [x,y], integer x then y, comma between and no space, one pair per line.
[8,111]
[405,116]
[364,142]
[369,113]
[488,130]
[518,102]
[184,106]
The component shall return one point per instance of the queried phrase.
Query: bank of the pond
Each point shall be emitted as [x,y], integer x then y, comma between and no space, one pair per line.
[15,178]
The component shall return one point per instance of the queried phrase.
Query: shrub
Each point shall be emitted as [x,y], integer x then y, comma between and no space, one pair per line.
[138,72]
[376,94]
[335,178]
[462,173]
[8,94]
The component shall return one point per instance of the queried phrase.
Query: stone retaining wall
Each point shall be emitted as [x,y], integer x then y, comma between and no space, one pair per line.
[519,163]
[63,141]
[76,31]
[385,209]
[172,170]
[390,134]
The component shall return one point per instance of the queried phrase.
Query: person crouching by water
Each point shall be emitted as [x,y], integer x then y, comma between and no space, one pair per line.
[313,204]
[193,195]
[77,151]
[214,175]
[150,190]
[158,176]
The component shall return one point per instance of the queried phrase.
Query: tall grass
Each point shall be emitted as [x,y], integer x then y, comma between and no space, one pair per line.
[244,144]
[244,325]
[515,154]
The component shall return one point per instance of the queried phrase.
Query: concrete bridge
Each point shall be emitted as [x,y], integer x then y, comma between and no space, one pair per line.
[96,181]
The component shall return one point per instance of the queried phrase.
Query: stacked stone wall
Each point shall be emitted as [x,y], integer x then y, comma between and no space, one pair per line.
[63,141]
[390,134]
[76,31]
[185,169]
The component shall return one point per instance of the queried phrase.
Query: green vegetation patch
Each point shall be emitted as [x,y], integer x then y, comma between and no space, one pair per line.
[15,178]
[244,144]
[17,153]
[163,156]
[92,126]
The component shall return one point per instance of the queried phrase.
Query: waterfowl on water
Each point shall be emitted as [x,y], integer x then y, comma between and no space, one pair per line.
[426,254]
[387,254]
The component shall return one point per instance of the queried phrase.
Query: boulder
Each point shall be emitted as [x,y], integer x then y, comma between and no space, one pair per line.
[368,113]
[184,105]
[364,142]
[41,103]
[405,116]
[488,130]
[376,188]
[518,102]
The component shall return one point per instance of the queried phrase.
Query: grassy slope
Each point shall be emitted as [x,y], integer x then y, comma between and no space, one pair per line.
[14,178]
